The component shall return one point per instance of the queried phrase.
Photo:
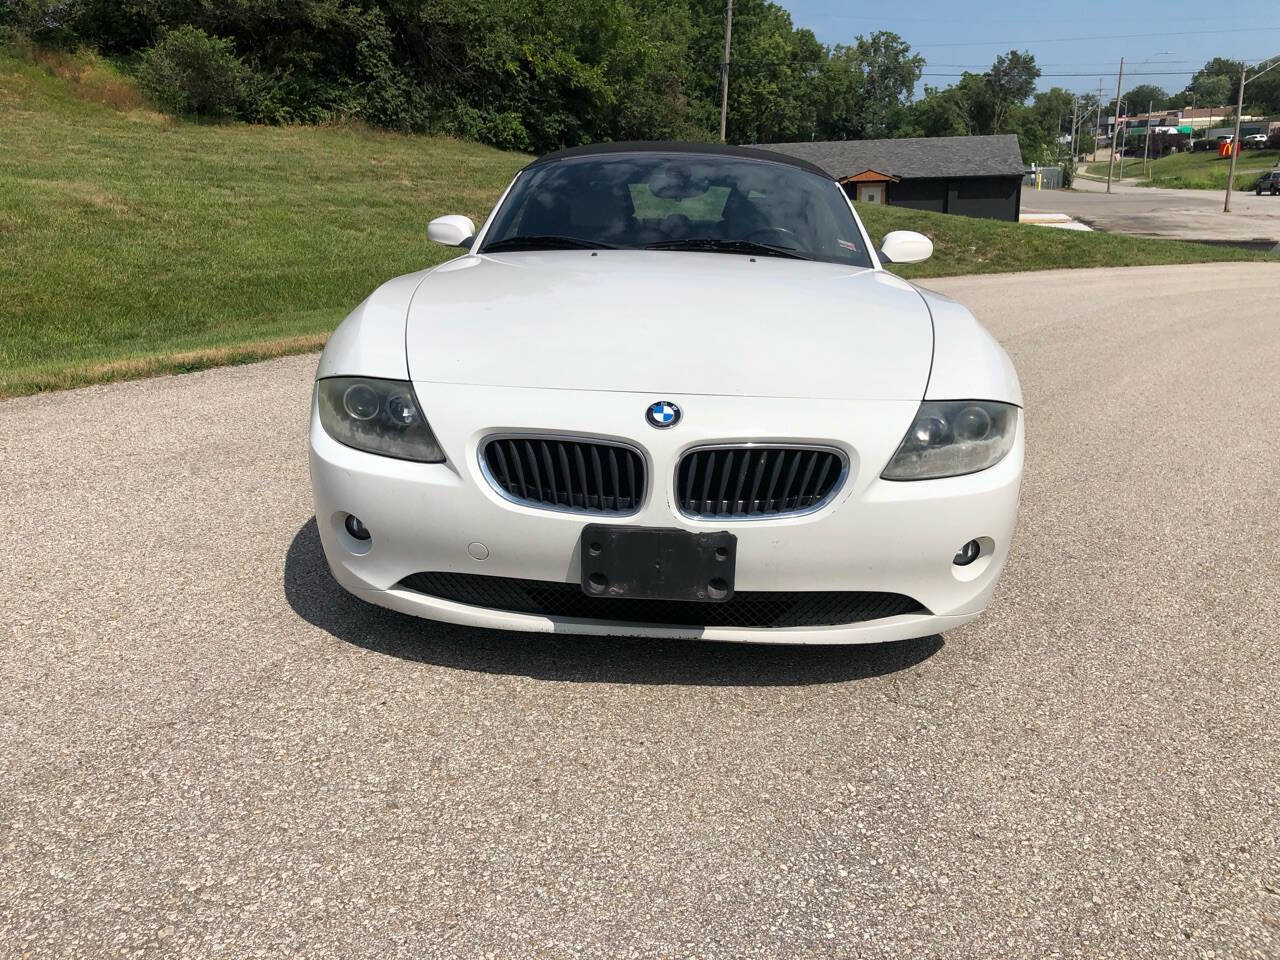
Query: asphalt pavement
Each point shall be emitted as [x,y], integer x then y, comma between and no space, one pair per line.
[1160,212]
[208,749]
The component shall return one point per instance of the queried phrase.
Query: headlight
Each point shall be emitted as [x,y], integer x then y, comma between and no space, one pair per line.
[953,437]
[379,416]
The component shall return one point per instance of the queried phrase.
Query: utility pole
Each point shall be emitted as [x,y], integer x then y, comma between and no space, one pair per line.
[1111,164]
[1126,135]
[1235,141]
[1097,122]
[724,68]
[1075,104]
[1146,144]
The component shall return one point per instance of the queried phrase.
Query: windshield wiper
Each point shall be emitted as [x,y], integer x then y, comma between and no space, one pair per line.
[727,246]
[545,242]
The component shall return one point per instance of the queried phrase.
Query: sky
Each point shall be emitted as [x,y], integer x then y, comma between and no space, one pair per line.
[1161,42]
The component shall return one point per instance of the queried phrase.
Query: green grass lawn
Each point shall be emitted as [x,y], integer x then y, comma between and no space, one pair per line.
[1197,171]
[127,238]
[133,244]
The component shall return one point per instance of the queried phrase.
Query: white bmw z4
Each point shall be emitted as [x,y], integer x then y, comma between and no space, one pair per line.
[669,390]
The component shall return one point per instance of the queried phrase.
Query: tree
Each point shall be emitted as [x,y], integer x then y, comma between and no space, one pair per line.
[889,74]
[1010,81]
[1145,93]
[1213,91]
[1044,127]
[943,112]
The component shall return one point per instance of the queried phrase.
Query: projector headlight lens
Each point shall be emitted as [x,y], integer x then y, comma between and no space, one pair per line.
[377,416]
[949,438]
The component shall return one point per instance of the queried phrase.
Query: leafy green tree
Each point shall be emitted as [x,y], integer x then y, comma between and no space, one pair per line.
[1212,91]
[1143,94]
[1010,81]
[939,113]
[889,73]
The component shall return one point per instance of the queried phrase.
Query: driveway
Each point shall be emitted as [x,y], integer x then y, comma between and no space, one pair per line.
[208,749]
[1156,212]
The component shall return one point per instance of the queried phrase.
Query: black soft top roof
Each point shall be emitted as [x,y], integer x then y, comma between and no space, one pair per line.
[664,146]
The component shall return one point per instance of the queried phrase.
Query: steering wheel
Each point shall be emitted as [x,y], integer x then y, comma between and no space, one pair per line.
[774,235]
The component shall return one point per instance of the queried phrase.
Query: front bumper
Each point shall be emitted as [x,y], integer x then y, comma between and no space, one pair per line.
[875,535]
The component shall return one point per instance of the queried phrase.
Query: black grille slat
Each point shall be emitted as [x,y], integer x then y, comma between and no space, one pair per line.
[534,472]
[587,475]
[748,609]
[501,470]
[550,466]
[761,460]
[791,479]
[728,482]
[598,476]
[808,475]
[773,484]
[708,469]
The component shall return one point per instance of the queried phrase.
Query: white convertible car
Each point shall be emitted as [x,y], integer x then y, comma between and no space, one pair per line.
[669,390]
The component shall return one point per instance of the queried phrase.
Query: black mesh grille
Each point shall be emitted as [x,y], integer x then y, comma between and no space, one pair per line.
[818,608]
[756,481]
[571,474]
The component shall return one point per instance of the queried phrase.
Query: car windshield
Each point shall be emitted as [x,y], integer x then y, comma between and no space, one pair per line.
[677,201]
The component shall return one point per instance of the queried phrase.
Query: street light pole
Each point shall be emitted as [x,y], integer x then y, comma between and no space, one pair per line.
[1112,162]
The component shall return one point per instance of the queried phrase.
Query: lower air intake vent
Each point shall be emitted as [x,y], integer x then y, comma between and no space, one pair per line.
[561,473]
[763,608]
[731,483]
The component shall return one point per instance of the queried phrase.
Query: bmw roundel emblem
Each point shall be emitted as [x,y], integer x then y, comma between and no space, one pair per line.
[662,414]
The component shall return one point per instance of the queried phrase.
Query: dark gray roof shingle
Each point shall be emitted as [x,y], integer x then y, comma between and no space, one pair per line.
[912,157]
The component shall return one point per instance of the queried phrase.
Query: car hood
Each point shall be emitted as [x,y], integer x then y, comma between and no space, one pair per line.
[663,323]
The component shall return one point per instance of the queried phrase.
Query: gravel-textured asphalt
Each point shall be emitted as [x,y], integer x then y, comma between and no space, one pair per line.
[207,749]
[1162,212]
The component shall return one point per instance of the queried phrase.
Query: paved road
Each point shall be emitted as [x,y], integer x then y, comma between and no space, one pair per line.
[1155,212]
[207,749]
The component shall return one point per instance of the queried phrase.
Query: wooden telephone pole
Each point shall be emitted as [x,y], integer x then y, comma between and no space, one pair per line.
[1112,162]
[724,69]
[1146,144]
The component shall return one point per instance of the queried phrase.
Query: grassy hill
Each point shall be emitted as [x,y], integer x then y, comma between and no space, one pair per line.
[1200,171]
[134,244]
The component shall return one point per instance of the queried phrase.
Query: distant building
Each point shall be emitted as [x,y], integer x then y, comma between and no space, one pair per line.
[1195,122]
[969,176]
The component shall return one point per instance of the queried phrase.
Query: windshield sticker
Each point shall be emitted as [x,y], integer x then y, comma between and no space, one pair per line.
[846,244]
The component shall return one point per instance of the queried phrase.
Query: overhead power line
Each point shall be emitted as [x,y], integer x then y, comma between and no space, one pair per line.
[936,73]
[1106,36]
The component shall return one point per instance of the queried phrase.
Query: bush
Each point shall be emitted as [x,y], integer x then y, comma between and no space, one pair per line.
[190,72]
[1273,141]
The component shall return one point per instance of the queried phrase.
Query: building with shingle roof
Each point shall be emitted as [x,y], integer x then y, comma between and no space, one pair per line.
[970,176]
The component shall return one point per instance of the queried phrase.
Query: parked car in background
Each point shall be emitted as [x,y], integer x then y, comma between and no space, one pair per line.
[1270,182]
[1255,141]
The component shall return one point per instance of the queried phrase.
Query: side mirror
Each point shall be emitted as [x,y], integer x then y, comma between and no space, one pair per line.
[453,230]
[905,246]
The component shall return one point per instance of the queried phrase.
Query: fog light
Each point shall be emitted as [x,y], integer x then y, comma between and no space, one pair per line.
[966,554]
[359,531]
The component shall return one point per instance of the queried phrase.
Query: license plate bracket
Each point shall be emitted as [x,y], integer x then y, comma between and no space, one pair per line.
[657,563]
